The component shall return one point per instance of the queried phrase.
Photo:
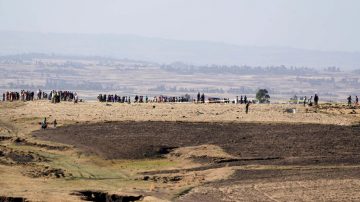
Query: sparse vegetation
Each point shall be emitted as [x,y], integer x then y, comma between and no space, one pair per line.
[262,95]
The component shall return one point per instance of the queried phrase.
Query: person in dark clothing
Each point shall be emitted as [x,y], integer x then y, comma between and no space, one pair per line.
[247,107]
[44,124]
[356,101]
[305,99]
[316,100]
[349,100]
[241,100]
[310,101]
[245,99]
[198,97]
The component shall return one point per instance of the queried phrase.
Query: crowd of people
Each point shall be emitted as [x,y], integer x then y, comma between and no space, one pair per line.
[58,96]
[114,98]
[160,99]
[53,96]
[15,96]
[200,98]
[41,95]
[310,100]
[141,98]
[242,100]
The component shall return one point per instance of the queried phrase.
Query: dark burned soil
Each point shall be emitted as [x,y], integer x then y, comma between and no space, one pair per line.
[12,199]
[99,196]
[280,143]
[294,160]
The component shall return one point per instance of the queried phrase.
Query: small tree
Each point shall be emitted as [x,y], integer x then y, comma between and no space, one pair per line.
[262,95]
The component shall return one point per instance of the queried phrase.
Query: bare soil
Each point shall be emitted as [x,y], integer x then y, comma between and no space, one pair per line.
[279,143]
[315,158]
[281,185]
[189,152]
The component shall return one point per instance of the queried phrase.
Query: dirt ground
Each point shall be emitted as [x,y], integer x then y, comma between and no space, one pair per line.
[288,143]
[307,145]
[179,152]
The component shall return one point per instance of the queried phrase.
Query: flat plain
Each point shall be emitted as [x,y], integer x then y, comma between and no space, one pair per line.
[179,152]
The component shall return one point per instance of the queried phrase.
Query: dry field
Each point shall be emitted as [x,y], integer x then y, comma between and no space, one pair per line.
[90,76]
[179,152]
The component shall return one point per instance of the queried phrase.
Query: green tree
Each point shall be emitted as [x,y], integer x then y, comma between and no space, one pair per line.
[262,95]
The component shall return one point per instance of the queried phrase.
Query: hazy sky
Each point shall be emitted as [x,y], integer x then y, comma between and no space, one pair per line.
[310,24]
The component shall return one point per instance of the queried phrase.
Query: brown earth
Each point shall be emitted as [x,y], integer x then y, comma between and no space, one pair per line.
[189,152]
[266,158]
[284,143]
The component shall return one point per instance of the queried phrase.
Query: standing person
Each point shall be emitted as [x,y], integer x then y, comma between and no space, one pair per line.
[356,101]
[52,96]
[55,123]
[349,100]
[38,93]
[44,124]
[3,97]
[247,107]
[203,98]
[76,98]
[310,101]
[198,97]
[316,99]
[136,99]
[245,99]
[305,101]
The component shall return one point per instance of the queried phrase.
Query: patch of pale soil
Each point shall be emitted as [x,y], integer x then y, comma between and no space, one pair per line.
[153,199]
[201,151]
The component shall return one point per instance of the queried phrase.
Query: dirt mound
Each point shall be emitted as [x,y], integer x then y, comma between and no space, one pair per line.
[286,143]
[201,151]
[12,199]
[99,196]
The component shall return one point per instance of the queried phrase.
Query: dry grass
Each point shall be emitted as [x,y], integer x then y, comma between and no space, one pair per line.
[67,113]
[90,172]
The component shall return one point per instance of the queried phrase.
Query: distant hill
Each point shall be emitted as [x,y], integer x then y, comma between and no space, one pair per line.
[167,51]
